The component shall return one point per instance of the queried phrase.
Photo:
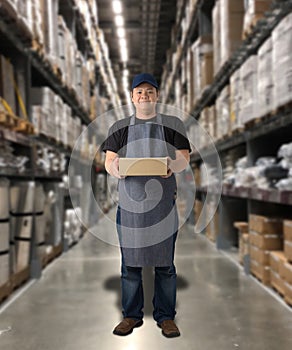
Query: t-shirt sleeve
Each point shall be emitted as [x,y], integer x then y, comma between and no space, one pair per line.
[112,142]
[180,136]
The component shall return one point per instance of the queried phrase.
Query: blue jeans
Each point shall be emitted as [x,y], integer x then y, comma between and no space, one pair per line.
[164,298]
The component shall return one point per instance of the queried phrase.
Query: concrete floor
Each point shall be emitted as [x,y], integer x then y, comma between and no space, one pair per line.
[76,304]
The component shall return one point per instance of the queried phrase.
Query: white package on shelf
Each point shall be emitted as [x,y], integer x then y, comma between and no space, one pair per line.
[249,86]
[4,268]
[282,61]
[50,23]
[223,112]
[235,100]
[231,24]
[216,37]
[265,78]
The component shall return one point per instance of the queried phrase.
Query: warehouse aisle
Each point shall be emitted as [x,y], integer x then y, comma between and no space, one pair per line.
[76,304]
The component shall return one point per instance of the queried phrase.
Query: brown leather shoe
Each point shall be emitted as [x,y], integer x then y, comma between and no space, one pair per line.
[169,329]
[126,326]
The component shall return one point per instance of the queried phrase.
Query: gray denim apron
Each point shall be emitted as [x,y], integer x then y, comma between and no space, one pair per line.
[147,220]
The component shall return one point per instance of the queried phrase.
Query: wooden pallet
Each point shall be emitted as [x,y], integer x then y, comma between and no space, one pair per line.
[237,131]
[55,252]
[23,126]
[57,72]
[20,277]
[288,301]
[260,278]
[253,122]
[7,120]
[248,30]
[5,290]
[38,48]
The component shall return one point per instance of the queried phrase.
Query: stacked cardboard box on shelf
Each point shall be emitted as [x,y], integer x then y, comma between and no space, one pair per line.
[277,261]
[4,231]
[287,268]
[223,113]
[265,78]
[231,23]
[212,228]
[235,101]
[243,239]
[202,61]
[216,38]
[212,122]
[265,235]
[282,61]
[249,90]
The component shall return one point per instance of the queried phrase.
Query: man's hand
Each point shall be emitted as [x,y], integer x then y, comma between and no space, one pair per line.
[169,171]
[112,164]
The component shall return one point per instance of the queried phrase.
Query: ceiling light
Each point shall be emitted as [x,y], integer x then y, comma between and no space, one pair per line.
[126,72]
[119,20]
[117,7]
[124,54]
[123,43]
[121,32]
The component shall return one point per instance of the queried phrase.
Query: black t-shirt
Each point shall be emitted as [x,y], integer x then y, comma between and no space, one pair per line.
[174,131]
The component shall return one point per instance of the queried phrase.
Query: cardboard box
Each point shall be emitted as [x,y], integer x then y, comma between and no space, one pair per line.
[287,228]
[266,225]
[266,241]
[259,255]
[207,70]
[288,250]
[242,226]
[275,258]
[143,166]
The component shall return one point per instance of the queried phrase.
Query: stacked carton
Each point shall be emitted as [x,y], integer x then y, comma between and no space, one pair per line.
[4,231]
[231,23]
[212,228]
[235,101]
[249,90]
[282,61]
[223,112]
[243,239]
[288,264]
[277,261]
[216,38]
[265,235]
[212,130]
[202,51]
[265,78]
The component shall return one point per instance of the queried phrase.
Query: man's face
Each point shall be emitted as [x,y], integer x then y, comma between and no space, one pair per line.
[145,97]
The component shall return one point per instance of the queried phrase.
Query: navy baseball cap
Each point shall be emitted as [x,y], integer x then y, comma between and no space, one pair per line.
[144,78]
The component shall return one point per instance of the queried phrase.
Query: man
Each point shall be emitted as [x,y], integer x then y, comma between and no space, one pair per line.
[147,221]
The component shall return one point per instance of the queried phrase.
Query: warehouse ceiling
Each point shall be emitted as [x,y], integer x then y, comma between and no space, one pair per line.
[148,25]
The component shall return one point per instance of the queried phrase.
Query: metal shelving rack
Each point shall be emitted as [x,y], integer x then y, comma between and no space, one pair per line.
[20,44]
[236,203]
